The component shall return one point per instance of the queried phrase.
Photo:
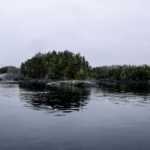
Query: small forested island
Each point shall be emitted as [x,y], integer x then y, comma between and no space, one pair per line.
[67,66]
[56,66]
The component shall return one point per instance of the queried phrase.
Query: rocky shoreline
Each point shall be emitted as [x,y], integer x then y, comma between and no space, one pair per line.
[65,83]
[71,83]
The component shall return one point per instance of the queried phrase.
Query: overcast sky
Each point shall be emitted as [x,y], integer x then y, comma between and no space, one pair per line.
[105,31]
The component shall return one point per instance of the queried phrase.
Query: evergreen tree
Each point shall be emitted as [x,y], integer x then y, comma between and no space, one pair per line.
[56,65]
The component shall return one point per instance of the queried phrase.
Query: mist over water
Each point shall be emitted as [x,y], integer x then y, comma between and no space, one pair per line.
[107,117]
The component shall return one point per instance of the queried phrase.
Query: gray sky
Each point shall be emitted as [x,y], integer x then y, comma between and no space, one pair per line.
[106,32]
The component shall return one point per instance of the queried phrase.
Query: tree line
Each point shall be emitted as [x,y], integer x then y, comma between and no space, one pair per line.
[9,69]
[67,65]
[122,73]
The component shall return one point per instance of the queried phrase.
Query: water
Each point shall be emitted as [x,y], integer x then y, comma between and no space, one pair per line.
[104,118]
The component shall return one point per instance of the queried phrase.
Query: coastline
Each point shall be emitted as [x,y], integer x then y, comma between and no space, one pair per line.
[70,83]
[115,82]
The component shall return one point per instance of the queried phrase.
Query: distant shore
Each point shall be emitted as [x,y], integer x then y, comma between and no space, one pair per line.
[112,82]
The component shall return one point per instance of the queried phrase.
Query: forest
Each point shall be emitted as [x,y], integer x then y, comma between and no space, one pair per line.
[122,73]
[56,66]
[9,69]
[66,65]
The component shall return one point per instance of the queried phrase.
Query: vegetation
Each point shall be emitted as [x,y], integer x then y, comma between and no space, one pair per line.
[66,65]
[56,65]
[9,73]
[9,69]
[122,73]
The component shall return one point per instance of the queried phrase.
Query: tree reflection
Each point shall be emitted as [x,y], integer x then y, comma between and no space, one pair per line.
[137,89]
[54,99]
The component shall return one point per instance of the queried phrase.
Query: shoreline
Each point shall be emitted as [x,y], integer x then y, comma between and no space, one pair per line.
[77,83]
[115,82]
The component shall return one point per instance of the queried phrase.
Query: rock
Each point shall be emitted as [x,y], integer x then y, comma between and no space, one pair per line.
[71,83]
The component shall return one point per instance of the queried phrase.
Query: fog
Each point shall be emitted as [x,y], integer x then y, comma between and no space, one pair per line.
[106,32]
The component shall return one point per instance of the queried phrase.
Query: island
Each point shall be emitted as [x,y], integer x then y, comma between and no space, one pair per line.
[66,68]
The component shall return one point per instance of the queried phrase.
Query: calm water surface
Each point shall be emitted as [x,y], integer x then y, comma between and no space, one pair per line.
[103,118]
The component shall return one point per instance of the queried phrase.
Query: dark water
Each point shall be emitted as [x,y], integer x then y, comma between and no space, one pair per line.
[104,118]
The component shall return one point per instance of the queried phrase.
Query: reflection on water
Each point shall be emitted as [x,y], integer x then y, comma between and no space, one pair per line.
[66,100]
[138,94]
[52,99]
[137,89]
[104,118]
